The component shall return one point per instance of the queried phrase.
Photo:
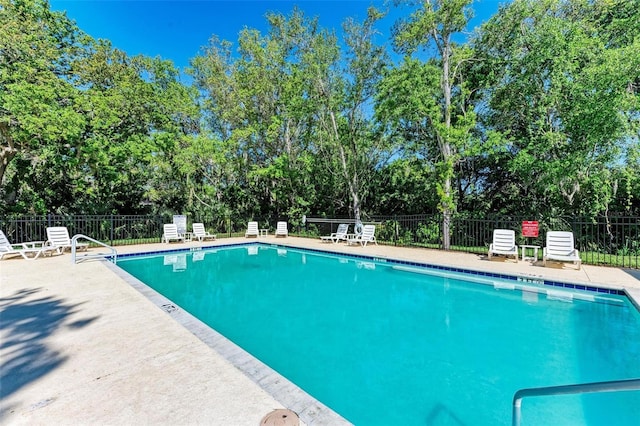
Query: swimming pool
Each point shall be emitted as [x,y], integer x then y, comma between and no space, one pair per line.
[385,343]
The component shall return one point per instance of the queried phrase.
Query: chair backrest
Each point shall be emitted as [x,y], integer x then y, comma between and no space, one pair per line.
[281,228]
[560,243]
[343,229]
[171,230]
[198,229]
[252,228]
[368,232]
[5,245]
[504,239]
[58,236]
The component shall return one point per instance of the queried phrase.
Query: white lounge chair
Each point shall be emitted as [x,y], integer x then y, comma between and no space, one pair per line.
[170,233]
[252,229]
[560,247]
[30,250]
[367,236]
[281,229]
[504,243]
[339,235]
[200,233]
[58,238]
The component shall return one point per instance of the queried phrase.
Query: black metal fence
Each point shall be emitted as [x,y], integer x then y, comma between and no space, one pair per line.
[117,229]
[111,229]
[609,240]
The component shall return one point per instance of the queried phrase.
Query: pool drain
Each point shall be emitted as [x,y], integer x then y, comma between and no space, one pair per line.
[280,417]
[168,308]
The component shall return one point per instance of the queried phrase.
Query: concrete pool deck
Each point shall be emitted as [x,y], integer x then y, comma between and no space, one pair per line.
[80,344]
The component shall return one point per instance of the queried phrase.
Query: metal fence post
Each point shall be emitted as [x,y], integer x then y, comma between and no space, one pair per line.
[111,230]
[396,230]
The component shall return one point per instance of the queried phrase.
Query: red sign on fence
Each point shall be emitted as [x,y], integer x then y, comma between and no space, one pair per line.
[530,228]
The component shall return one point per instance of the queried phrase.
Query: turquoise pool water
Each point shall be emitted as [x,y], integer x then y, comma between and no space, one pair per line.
[383,346]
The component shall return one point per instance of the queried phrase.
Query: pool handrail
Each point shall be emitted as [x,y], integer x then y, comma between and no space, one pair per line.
[593,387]
[113,256]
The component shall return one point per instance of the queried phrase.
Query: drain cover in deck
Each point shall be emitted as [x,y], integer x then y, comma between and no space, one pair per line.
[280,417]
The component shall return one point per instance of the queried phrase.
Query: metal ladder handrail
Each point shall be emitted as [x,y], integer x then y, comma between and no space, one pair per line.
[594,387]
[74,242]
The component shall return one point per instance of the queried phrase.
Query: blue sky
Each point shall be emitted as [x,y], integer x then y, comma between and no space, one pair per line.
[178,29]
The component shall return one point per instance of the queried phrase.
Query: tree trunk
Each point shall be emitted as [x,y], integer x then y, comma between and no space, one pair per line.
[352,181]
[446,223]
[7,151]
[445,145]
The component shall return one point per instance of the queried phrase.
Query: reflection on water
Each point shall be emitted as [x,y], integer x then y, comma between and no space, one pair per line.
[177,261]
[198,256]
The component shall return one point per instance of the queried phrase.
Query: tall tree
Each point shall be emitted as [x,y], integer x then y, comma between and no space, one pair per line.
[138,115]
[258,104]
[345,99]
[435,23]
[39,117]
[564,87]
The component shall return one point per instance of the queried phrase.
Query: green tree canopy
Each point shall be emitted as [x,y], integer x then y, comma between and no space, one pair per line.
[537,114]
[561,85]
[39,117]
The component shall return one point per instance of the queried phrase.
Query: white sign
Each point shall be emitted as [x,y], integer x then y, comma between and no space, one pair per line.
[180,221]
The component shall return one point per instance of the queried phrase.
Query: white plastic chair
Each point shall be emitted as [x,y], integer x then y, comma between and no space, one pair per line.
[367,236]
[504,243]
[339,235]
[560,247]
[30,250]
[171,233]
[281,229]
[252,229]
[58,238]
[200,233]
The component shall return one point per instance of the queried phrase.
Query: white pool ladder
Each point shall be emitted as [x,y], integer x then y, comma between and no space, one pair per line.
[112,255]
[595,387]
